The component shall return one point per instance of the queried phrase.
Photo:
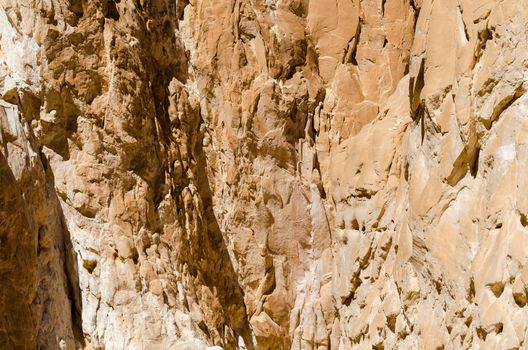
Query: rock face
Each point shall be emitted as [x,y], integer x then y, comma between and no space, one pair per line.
[279,174]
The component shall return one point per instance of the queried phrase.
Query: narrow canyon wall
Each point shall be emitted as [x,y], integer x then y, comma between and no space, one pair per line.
[250,174]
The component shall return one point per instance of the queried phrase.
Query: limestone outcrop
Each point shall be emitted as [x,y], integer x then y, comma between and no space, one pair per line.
[279,174]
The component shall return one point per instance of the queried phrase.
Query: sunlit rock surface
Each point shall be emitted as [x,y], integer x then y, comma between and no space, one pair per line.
[290,174]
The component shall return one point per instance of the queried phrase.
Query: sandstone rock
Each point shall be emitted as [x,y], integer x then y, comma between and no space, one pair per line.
[242,174]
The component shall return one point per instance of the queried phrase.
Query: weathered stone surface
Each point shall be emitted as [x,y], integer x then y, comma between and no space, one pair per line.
[263,174]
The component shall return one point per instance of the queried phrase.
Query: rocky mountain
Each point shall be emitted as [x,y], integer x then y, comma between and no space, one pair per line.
[263,174]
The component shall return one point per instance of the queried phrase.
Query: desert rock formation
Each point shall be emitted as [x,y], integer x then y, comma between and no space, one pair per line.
[263,174]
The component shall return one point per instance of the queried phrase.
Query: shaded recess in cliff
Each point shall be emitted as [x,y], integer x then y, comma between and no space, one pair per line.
[39,292]
[206,254]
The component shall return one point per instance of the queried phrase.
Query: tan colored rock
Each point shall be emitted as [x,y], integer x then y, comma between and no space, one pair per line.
[242,174]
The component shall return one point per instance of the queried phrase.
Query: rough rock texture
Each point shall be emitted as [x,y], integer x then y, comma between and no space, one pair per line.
[250,174]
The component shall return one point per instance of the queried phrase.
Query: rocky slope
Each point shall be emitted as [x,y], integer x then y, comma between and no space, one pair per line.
[279,174]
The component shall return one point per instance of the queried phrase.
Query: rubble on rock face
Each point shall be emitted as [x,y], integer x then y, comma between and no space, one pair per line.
[293,174]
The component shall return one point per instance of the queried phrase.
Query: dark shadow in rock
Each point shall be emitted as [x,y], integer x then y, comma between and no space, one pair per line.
[37,264]
[222,276]
[198,249]
[17,260]
[68,256]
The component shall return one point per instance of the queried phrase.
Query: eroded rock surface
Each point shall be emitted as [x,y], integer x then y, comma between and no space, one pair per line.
[329,174]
